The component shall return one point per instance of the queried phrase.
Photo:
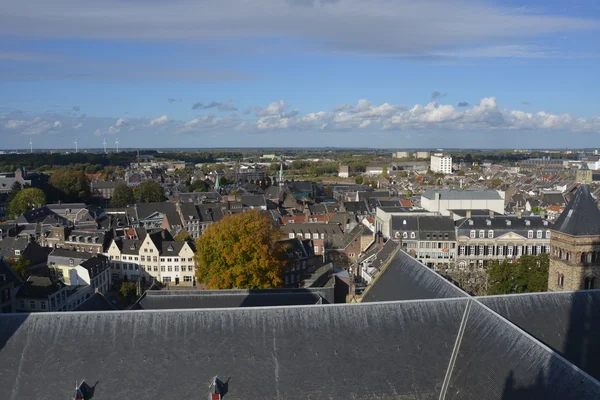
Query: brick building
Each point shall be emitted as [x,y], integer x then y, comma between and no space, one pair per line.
[575,245]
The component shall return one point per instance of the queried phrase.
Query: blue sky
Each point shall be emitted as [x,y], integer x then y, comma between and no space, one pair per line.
[379,73]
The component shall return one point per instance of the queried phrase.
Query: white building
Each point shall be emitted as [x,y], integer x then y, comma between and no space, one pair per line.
[153,257]
[401,154]
[443,200]
[441,163]
[344,171]
[422,154]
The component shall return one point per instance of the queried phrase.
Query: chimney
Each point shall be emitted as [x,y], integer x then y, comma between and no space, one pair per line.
[468,213]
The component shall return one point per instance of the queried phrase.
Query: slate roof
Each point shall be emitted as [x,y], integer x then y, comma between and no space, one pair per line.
[581,217]
[185,299]
[39,287]
[404,278]
[499,224]
[425,225]
[96,302]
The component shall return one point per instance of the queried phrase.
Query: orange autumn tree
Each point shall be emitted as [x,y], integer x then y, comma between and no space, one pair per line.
[241,251]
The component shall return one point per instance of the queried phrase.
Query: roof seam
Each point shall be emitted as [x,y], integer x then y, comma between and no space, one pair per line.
[454,355]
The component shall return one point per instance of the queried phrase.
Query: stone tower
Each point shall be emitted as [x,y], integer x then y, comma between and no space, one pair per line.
[575,245]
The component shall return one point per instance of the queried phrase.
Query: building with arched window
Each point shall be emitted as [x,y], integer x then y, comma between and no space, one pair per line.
[575,245]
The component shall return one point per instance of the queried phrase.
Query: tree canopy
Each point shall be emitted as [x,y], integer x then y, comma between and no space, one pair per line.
[24,200]
[122,196]
[149,192]
[528,274]
[20,265]
[241,251]
[359,180]
[70,186]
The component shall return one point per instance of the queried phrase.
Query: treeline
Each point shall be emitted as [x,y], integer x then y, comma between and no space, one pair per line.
[526,275]
[198,157]
[47,161]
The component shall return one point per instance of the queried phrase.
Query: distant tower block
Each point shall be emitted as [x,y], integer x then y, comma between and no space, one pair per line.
[575,245]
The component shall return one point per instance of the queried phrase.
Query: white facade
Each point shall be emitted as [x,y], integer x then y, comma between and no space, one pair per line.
[145,260]
[422,154]
[442,201]
[344,171]
[401,154]
[441,163]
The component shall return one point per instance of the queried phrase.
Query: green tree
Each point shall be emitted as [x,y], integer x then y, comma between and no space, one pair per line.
[460,173]
[496,181]
[241,251]
[70,185]
[359,180]
[14,190]
[528,274]
[183,236]
[26,199]
[20,265]
[149,192]
[122,196]
[128,290]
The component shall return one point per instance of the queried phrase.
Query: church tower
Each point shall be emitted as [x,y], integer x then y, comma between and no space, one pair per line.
[575,245]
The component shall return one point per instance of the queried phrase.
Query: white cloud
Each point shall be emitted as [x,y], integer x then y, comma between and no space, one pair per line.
[57,124]
[273,109]
[159,121]
[434,27]
[14,124]
[79,125]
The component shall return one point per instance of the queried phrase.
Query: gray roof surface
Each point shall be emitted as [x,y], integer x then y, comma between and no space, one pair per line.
[581,217]
[568,322]
[304,352]
[183,299]
[448,194]
[406,279]
[96,302]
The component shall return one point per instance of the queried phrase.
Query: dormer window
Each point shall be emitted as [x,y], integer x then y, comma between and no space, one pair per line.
[170,248]
[547,234]
[490,234]
[132,247]
[545,223]
[472,234]
[529,234]
[412,235]
[405,235]
[527,223]
[539,234]
[488,222]
[508,223]
[471,222]
[481,234]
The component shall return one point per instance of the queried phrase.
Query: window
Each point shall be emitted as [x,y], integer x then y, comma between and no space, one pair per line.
[190,259]
[162,268]
[539,234]
[529,250]
[490,250]
[315,235]
[529,234]
[155,258]
[291,235]
[17,252]
[481,249]
[145,250]
[155,268]
[170,268]
[509,251]
[22,304]
[43,305]
[561,280]
[481,234]
[322,236]
[547,234]
[32,304]
[71,261]
[471,250]
[538,249]
[412,235]
[500,250]
[404,235]
[190,268]
[177,268]
[519,251]
[166,279]
[589,283]
[461,251]
[169,260]
[490,234]
[187,278]
[316,249]
[472,234]
[142,258]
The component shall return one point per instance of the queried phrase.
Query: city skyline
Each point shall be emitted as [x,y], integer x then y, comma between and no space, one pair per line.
[387,74]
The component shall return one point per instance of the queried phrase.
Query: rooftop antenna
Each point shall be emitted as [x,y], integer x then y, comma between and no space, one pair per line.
[76,148]
[104,145]
[117,143]
[30,146]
